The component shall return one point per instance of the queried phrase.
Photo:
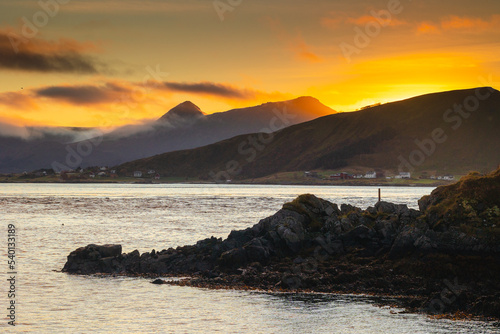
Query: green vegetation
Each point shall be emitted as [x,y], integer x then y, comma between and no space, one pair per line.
[474,201]
[303,205]
[20,178]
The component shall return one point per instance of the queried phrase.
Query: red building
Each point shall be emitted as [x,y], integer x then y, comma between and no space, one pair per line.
[341,176]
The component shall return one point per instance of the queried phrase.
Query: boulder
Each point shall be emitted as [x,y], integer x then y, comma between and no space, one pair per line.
[385,207]
[93,259]
[258,250]
[359,236]
[405,241]
[109,250]
[424,243]
[234,258]
[292,233]
[346,225]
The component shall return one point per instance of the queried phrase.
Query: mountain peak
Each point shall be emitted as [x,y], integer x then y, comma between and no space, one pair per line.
[306,99]
[186,110]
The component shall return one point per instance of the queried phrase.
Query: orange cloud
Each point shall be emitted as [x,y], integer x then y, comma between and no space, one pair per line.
[118,102]
[296,43]
[336,19]
[456,22]
[427,28]
[18,100]
[304,52]
[362,20]
[85,106]
[330,22]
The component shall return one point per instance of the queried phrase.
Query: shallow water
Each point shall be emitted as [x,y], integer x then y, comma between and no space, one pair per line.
[54,219]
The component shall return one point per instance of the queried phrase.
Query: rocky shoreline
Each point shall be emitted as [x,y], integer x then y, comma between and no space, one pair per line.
[443,259]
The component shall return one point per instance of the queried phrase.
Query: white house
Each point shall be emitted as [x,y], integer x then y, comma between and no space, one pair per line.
[371,175]
[448,177]
[405,175]
[137,174]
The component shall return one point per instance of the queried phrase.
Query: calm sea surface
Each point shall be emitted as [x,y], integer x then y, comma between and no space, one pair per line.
[52,220]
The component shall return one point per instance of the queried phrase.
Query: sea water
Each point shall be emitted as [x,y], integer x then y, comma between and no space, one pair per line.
[51,220]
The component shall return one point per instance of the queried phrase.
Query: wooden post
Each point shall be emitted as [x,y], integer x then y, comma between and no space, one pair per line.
[379,195]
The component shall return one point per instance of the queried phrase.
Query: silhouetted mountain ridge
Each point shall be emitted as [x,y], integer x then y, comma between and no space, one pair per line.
[182,127]
[453,132]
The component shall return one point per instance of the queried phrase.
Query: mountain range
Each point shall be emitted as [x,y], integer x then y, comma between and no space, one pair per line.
[183,127]
[447,132]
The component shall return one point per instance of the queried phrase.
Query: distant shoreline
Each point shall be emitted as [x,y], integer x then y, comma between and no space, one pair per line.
[407,183]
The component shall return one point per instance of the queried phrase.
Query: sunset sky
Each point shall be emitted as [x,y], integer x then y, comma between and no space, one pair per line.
[108,63]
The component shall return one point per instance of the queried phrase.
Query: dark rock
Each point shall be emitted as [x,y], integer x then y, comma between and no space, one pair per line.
[371,210]
[346,225]
[405,241]
[258,250]
[347,208]
[385,207]
[386,230]
[239,238]
[359,236]
[109,250]
[424,203]
[425,244]
[93,259]
[235,257]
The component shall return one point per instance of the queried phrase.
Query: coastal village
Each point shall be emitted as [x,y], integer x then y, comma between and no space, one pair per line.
[378,175]
[107,174]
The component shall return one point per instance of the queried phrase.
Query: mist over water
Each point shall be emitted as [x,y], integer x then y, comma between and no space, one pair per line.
[54,219]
